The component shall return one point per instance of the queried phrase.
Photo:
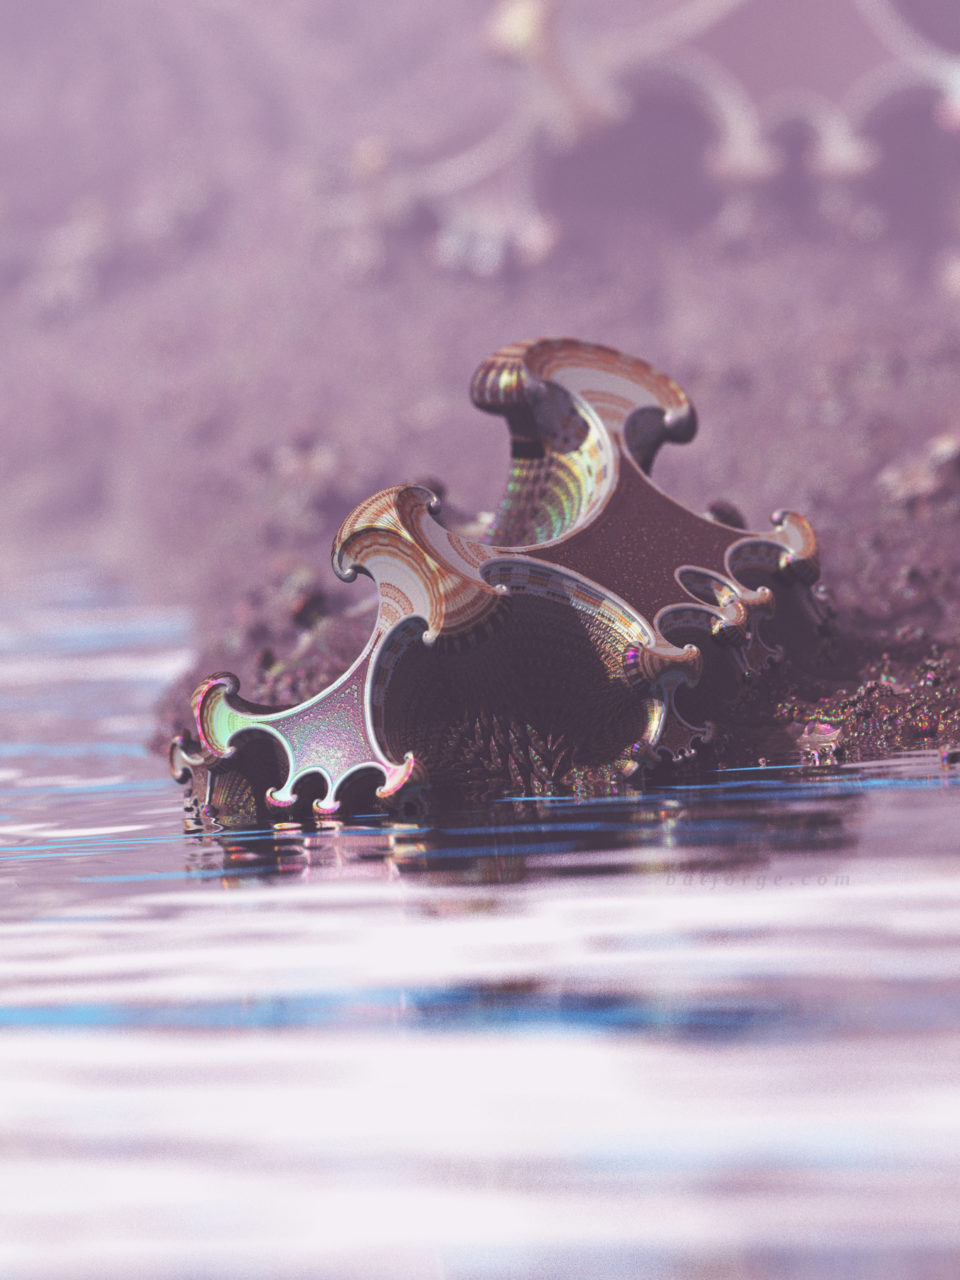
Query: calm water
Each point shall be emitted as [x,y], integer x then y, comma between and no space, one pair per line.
[711,1032]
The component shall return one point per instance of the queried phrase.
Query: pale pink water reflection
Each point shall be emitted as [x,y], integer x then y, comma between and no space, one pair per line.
[708,1032]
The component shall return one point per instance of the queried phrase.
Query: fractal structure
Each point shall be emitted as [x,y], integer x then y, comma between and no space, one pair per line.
[598,630]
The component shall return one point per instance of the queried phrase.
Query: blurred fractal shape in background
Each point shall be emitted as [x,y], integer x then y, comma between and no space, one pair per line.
[249,255]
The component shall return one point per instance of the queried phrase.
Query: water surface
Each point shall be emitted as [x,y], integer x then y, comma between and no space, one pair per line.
[709,1031]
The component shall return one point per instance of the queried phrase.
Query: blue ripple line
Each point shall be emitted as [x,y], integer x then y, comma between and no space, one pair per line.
[135,877]
[431,1009]
[107,844]
[52,788]
[541,828]
[32,852]
[72,749]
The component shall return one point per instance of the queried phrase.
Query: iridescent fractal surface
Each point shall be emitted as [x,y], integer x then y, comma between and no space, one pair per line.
[598,629]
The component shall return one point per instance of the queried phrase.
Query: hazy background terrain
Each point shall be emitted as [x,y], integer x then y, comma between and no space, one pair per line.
[245,273]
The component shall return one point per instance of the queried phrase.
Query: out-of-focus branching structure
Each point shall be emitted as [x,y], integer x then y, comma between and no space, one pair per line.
[575,85]
[190,189]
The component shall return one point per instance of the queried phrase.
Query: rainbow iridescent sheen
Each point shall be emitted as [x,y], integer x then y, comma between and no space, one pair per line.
[630,590]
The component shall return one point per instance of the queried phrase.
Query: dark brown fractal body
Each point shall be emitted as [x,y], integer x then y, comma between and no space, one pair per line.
[597,630]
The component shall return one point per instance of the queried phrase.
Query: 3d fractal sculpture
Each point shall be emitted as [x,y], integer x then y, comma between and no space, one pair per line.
[599,628]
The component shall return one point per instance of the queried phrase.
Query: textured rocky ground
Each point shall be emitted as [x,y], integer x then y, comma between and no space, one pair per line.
[833,396]
[184,331]
[202,375]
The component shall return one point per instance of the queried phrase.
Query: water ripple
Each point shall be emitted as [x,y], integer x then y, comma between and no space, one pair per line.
[707,1031]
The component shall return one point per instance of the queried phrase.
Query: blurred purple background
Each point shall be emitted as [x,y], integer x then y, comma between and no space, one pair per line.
[250,254]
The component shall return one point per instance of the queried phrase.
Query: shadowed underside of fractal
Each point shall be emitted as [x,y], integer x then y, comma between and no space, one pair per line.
[595,630]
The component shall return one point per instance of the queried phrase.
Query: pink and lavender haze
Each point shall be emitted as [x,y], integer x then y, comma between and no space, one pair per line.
[241,286]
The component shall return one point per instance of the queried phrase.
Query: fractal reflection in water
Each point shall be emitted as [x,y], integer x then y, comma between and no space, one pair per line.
[592,633]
